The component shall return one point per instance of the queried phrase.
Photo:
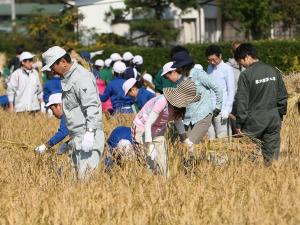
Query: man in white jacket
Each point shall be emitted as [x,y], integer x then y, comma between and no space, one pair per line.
[224,77]
[24,90]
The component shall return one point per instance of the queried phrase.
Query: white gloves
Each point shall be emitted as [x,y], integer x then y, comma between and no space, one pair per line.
[88,141]
[43,109]
[63,148]
[41,149]
[224,114]
[152,152]
[189,144]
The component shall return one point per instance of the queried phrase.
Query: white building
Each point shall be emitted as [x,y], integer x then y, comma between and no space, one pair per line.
[196,25]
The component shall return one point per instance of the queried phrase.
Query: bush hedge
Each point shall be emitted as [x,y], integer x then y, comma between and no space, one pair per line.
[282,54]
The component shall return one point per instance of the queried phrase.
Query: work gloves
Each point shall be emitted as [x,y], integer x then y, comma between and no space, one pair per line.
[88,141]
[151,155]
[224,114]
[43,108]
[216,112]
[189,144]
[41,149]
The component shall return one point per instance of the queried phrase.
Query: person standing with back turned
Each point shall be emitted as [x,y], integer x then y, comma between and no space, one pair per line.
[261,101]
[81,107]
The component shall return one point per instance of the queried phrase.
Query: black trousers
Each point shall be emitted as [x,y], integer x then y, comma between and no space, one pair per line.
[265,125]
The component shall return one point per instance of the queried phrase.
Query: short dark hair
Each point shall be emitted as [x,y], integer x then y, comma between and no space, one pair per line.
[20,49]
[243,50]
[213,50]
[66,57]
[176,49]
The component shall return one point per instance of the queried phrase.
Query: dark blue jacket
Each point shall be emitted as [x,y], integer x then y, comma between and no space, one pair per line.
[129,73]
[51,87]
[116,135]
[143,96]
[4,100]
[115,91]
[61,133]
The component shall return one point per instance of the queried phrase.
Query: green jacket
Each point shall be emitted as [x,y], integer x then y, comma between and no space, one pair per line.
[160,82]
[106,74]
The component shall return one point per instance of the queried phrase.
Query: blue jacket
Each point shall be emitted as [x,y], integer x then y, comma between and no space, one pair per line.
[116,135]
[61,133]
[129,73]
[117,96]
[4,100]
[51,87]
[143,96]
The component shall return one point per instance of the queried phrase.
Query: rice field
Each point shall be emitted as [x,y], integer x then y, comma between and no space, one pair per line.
[40,189]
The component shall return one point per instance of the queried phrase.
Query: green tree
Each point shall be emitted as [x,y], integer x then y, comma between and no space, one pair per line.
[149,18]
[255,17]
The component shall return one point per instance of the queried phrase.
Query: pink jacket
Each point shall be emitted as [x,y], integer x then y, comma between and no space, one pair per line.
[101,87]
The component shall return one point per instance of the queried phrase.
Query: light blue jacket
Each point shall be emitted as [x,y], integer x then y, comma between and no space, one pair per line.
[205,87]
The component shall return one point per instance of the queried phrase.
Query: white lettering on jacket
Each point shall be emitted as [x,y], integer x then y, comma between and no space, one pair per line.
[267,79]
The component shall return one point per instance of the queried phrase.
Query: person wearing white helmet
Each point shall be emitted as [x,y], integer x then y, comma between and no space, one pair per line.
[127,58]
[106,72]
[97,67]
[114,91]
[24,89]
[115,57]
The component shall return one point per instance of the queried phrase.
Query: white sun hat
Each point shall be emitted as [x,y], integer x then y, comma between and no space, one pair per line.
[115,57]
[51,55]
[148,77]
[99,62]
[54,99]
[138,60]
[107,62]
[167,68]
[128,84]
[127,56]
[26,55]
[119,67]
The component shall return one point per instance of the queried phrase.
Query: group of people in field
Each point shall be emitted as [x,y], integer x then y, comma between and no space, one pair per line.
[243,96]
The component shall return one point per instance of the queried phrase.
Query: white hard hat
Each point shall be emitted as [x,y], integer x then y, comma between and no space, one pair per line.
[138,60]
[51,55]
[26,55]
[54,99]
[168,68]
[127,56]
[99,62]
[107,62]
[119,67]
[115,57]
[128,84]
[147,77]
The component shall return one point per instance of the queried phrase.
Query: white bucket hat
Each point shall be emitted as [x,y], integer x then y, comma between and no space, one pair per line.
[26,55]
[128,84]
[138,60]
[99,62]
[127,56]
[119,67]
[54,99]
[51,55]
[148,77]
[167,68]
[115,57]
[107,62]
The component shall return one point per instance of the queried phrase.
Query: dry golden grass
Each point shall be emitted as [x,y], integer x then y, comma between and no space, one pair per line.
[242,192]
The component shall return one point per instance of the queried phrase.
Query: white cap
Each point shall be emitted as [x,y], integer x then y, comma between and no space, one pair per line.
[26,55]
[107,62]
[168,68]
[127,56]
[51,55]
[128,84]
[99,62]
[119,67]
[147,77]
[115,57]
[138,60]
[54,99]
[123,143]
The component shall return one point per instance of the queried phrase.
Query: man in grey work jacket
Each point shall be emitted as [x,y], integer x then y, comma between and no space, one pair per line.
[261,101]
[81,107]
